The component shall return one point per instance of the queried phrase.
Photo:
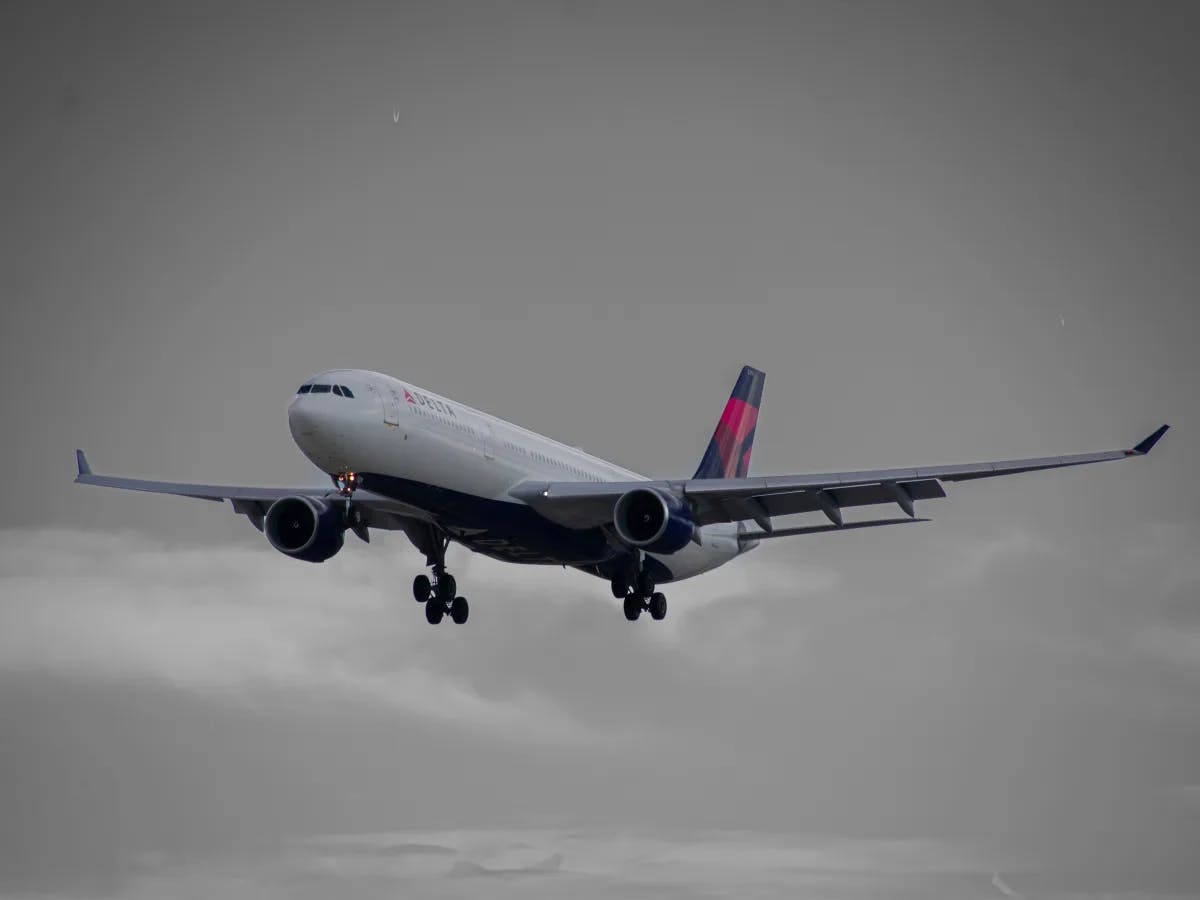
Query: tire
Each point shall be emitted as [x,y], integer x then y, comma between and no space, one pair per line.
[620,586]
[459,610]
[658,607]
[633,607]
[434,611]
[422,588]
[447,587]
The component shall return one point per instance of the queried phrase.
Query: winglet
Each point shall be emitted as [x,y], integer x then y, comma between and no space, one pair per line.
[1148,443]
[82,463]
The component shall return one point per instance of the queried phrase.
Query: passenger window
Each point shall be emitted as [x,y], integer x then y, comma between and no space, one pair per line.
[320,389]
[346,392]
[304,389]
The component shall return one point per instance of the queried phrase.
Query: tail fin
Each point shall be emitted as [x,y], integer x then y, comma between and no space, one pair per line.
[728,453]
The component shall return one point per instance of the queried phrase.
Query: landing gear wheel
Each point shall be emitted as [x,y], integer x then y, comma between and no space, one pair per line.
[658,607]
[645,584]
[422,588]
[633,607]
[434,611]
[620,586]
[459,610]
[446,587]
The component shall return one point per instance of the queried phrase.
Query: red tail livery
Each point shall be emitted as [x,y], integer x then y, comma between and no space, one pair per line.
[728,453]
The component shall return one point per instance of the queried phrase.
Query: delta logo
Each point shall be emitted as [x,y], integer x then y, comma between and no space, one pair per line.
[416,398]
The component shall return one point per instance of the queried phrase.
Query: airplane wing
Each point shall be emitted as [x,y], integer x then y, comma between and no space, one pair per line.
[375,511]
[761,498]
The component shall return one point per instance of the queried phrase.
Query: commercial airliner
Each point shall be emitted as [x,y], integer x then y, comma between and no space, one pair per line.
[402,458]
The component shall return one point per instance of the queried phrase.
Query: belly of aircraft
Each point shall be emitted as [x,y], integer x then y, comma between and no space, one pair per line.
[504,530]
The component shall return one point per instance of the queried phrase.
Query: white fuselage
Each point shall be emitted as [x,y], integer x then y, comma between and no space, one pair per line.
[459,464]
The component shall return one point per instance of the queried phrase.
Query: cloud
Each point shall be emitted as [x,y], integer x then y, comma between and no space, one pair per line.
[778,692]
[236,622]
[547,657]
[969,561]
[580,862]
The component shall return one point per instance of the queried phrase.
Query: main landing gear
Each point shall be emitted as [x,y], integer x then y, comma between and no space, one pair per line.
[639,594]
[440,595]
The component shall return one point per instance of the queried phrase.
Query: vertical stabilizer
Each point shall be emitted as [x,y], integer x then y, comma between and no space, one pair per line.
[728,453]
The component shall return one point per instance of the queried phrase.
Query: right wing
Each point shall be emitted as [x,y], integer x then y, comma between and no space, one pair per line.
[761,498]
[374,510]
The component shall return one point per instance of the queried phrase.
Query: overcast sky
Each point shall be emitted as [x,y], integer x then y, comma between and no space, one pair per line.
[947,231]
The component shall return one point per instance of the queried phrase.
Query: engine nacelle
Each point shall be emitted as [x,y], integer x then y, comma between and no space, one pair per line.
[304,528]
[653,521]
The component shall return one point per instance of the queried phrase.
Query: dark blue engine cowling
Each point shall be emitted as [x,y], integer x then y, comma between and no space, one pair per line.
[653,521]
[304,528]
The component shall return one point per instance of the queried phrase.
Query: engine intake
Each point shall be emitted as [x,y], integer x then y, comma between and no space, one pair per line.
[653,521]
[304,528]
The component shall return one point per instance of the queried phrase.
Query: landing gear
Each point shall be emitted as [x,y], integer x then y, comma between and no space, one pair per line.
[346,482]
[633,607]
[639,593]
[645,583]
[439,597]
[439,594]
[422,588]
[434,611]
[444,588]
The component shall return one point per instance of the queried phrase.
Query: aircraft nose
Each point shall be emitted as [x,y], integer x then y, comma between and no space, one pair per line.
[303,418]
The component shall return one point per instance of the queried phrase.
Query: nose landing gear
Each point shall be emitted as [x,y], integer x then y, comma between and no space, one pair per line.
[346,482]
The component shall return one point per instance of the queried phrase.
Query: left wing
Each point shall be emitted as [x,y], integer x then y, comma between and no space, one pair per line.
[373,510]
[761,498]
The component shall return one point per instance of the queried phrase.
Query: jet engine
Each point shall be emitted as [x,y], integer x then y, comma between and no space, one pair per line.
[304,528]
[653,521]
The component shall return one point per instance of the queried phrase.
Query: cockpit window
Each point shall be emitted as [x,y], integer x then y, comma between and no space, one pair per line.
[337,389]
[320,389]
[346,392]
[304,389]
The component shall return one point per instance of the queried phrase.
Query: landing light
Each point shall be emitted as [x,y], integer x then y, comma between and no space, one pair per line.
[346,482]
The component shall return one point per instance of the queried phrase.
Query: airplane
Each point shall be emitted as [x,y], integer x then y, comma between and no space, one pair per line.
[403,458]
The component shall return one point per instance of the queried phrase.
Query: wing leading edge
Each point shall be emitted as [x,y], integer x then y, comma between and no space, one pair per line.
[377,511]
[761,498]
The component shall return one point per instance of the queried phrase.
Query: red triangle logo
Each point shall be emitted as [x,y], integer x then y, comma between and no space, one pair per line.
[408,396]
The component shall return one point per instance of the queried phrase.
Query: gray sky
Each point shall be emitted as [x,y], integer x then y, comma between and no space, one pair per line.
[586,219]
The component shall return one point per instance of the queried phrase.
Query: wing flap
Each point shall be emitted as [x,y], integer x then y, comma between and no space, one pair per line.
[792,503]
[749,536]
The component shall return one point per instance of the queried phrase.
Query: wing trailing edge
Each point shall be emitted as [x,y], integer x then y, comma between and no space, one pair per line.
[747,536]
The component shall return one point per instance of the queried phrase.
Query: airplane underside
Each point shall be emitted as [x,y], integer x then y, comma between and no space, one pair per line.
[515,533]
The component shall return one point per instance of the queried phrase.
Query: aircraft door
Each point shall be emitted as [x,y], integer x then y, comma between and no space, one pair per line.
[391,407]
[389,404]
[489,441]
